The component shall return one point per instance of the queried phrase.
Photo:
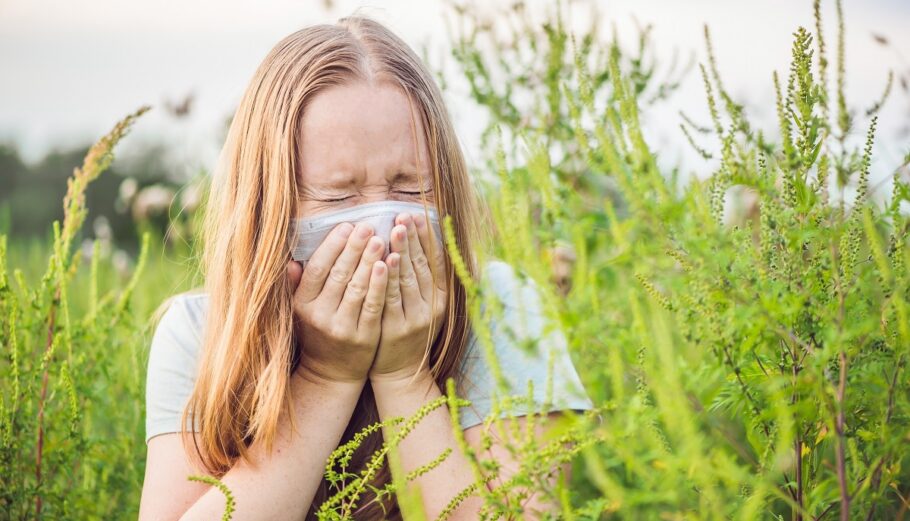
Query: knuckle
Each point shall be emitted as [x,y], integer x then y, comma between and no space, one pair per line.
[394,297]
[314,271]
[312,316]
[361,342]
[408,279]
[372,307]
[357,342]
[356,289]
[420,262]
[339,274]
[338,332]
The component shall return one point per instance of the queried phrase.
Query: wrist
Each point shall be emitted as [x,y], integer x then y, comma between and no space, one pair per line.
[309,377]
[413,378]
[403,394]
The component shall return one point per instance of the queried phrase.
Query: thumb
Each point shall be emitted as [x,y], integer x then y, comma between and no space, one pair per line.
[295,272]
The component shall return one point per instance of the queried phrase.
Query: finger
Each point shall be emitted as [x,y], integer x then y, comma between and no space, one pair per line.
[431,248]
[342,271]
[407,278]
[319,265]
[374,302]
[419,261]
[393,305]
[350,307]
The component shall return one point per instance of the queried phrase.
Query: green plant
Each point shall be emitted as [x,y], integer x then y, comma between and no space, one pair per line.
[229,501]
[747,369]
[744,366]
[67,446]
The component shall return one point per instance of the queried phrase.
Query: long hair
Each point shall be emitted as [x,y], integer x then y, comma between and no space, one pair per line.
[249,346]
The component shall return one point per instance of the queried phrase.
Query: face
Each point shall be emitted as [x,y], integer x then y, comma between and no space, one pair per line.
[357,146]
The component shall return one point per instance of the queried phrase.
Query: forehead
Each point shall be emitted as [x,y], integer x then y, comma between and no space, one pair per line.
[359,132]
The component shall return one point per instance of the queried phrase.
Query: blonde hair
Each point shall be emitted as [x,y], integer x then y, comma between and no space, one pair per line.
[249,345]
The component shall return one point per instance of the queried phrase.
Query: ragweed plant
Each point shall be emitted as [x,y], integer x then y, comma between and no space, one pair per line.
[745,369]
[749,366]
[68,449]
[516,65]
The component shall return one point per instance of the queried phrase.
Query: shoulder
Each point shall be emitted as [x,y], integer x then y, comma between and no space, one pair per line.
[178,332]
[505,281]
[513,308]
[520,343]
[183,313]
[173,361]
[180,324]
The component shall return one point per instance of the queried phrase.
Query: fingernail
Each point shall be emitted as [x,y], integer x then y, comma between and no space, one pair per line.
[345,229]
[375,244]
[420,220]
[406,219]
[365,231]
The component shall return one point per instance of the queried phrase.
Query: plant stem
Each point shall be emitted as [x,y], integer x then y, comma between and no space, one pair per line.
[44,377]
[841,442]
[798,447]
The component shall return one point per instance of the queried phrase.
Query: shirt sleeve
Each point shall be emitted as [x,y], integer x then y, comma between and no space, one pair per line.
[524,342]
[172,367]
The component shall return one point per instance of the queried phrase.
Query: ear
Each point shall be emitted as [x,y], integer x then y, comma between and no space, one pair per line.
[295,272]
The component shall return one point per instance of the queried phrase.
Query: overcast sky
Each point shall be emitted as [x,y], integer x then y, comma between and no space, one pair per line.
[71,69]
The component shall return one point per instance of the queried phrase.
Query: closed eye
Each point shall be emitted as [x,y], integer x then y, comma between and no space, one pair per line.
[412,193]
[336,200]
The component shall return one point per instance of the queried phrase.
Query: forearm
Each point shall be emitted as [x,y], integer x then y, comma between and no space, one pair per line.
[282,484]
[431,436]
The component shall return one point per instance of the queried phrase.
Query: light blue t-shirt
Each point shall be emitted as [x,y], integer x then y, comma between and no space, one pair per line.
[173,357]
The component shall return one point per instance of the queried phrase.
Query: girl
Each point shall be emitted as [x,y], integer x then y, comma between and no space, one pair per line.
[258,379]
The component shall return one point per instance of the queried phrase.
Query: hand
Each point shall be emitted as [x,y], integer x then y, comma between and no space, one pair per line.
[414,304]
[338,303]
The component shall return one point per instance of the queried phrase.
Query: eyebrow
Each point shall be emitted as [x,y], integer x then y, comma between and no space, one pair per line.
[409,176]
[341,182]
[332,182]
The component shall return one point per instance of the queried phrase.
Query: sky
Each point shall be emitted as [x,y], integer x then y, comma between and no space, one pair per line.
[70,70]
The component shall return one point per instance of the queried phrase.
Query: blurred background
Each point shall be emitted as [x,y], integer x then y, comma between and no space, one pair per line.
[71,69]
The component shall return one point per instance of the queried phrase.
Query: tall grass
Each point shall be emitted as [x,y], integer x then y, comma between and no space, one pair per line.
[74,341]
[744,365]
[747,367]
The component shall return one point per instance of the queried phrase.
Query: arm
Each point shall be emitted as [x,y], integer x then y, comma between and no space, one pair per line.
[270,486]
[338,305]
[433,435]
[415,299]
[430,437]
[534,504]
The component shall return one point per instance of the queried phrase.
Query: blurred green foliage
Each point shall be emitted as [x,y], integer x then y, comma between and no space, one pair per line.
[136,194]
[74,339]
